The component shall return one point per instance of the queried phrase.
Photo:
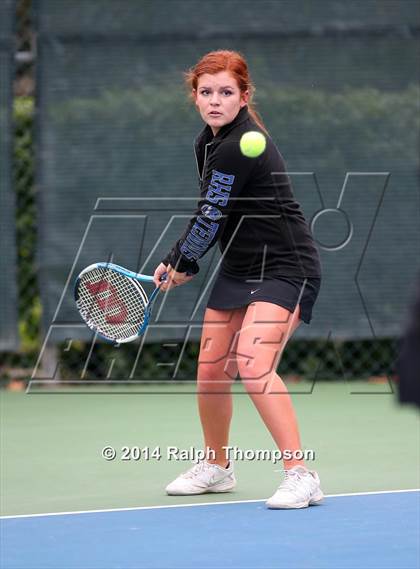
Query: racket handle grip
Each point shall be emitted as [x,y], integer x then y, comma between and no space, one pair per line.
[163,277]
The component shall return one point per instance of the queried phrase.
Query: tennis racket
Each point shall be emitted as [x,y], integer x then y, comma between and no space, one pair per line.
[112,301]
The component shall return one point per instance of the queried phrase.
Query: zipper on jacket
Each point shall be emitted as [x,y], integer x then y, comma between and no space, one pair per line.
[204,163]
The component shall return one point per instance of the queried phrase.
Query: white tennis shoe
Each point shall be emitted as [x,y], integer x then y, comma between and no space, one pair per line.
[299,489]
[202,478]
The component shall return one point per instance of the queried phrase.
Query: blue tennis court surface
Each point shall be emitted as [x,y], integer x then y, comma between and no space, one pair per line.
[372,530]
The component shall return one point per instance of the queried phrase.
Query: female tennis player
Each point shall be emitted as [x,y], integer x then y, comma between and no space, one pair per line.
[267,284]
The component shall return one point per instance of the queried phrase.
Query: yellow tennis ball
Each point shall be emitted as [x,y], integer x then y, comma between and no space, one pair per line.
[252,144]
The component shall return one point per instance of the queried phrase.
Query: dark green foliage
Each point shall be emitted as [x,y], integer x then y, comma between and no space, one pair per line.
[26,223]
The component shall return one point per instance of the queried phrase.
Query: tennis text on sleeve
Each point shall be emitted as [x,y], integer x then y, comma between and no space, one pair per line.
[205,228]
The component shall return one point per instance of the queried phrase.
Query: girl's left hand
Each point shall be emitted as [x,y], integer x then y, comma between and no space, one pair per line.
[173,278]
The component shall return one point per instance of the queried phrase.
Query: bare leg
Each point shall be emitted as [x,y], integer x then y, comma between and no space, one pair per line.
[266,329]
[217,369]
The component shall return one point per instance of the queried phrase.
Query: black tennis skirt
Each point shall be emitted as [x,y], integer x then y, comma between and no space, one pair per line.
[229,293]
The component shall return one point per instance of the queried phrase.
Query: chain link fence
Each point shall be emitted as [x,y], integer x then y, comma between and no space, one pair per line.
[311,359]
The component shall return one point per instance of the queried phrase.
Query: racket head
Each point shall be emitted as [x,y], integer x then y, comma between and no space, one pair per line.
[112,302]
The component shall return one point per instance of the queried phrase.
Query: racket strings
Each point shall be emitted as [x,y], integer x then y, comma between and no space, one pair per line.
[111,303]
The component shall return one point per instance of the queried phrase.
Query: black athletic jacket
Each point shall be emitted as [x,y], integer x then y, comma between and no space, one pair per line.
[247,206]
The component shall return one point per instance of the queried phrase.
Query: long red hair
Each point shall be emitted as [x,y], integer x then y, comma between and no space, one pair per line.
[225,60]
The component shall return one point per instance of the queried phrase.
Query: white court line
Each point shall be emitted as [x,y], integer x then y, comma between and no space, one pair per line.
[193,505]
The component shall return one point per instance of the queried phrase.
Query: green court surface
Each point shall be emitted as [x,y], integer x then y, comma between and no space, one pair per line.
[51,445]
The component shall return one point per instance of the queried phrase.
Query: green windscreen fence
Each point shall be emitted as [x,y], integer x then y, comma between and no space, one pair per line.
[8,272]
[337,87]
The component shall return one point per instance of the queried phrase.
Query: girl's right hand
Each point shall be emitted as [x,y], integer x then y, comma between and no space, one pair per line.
[159,272]
[172,279]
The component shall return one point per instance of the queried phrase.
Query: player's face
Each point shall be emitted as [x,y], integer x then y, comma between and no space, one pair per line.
[219,99]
